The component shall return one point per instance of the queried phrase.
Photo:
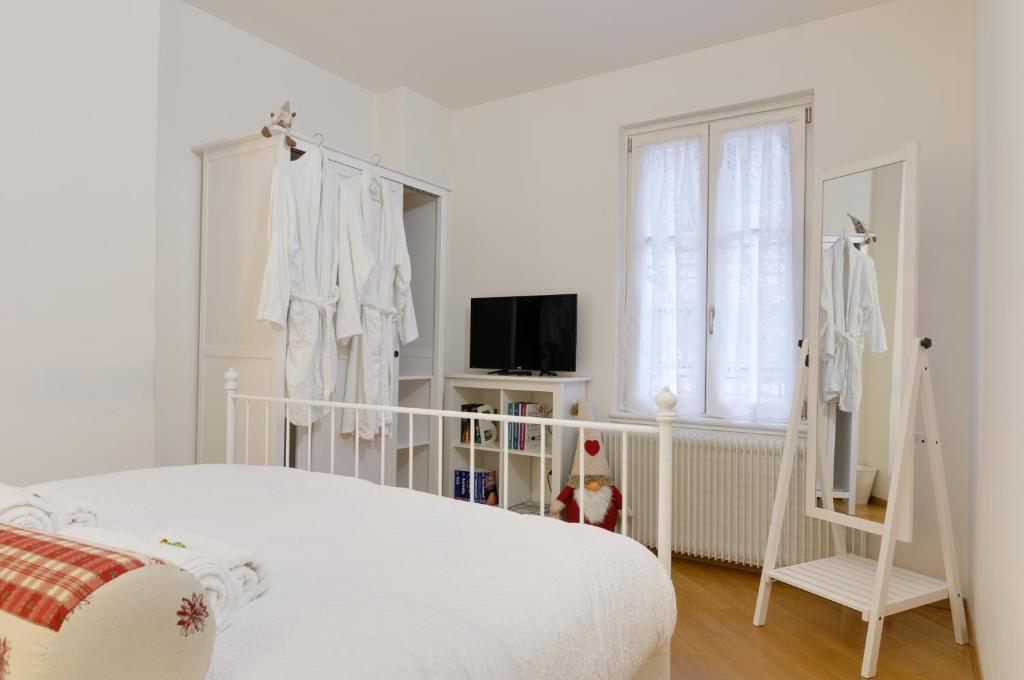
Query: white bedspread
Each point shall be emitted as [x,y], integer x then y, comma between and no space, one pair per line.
[374,582]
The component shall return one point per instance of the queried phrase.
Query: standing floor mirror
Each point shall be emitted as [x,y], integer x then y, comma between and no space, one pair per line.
[860,314]
[863,376]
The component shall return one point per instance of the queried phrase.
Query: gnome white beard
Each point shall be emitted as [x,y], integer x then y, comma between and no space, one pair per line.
[594,504]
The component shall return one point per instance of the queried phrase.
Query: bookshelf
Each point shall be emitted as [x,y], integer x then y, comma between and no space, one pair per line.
[557,394]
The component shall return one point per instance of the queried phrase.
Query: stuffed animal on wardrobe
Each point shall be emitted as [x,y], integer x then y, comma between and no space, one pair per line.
[596,494]
[283,118]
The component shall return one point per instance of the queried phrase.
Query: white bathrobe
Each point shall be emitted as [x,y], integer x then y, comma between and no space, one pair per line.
[379,292]
[300,282]
[851,317]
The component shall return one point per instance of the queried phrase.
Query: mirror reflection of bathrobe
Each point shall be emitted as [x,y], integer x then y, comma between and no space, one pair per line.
[851,318]
[300,279]
[381,295]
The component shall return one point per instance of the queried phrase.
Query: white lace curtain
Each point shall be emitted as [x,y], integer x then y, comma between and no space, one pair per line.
[664,343]
[752,351]
[745,369]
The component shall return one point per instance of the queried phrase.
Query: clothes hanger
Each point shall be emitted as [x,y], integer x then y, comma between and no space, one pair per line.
[375,182]
[862,229]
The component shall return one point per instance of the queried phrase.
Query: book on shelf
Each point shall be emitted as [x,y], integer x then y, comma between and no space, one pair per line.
[509,410]
[533,429]
[513,427]
[485,484]
[525,436]
[521,444]
[486,433]
[465,422]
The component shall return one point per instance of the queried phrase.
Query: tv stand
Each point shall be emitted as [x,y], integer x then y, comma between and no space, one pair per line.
[510,371]
[526,478]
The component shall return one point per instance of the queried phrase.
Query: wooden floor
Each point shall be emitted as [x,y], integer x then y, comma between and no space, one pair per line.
[872,512]
[805,637]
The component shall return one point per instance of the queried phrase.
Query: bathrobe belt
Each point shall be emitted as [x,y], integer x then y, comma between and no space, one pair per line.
[325,306]
[846,345]
[383,311]
[385,349]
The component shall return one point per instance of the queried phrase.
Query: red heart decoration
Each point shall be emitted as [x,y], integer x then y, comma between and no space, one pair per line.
[592,446]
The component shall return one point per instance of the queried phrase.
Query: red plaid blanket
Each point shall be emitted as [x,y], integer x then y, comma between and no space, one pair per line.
[43,577]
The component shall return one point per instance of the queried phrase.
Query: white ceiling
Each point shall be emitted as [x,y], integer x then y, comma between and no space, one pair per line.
[463,52]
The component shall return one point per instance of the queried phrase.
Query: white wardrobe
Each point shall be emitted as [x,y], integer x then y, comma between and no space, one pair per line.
[236,194]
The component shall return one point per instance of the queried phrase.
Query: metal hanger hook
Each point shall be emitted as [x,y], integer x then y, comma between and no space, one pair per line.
[376,159]
[319,139]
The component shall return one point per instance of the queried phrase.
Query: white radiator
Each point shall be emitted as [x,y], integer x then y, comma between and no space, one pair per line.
[723,488]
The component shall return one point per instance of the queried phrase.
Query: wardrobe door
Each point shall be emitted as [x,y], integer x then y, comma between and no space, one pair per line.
[416,361]
[420,218]
[235,222]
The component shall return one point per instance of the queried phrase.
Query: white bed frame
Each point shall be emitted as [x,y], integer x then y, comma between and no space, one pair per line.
[658,665]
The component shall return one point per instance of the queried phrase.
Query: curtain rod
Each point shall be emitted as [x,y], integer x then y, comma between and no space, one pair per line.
[383,170]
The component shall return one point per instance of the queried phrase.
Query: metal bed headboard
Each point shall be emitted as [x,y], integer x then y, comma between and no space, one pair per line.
[666,416]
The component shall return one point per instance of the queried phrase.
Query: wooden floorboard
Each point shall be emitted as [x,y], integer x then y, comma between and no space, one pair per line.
[805,637]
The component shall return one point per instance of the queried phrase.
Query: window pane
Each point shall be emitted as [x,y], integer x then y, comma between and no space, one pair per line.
[752,350]
[666,285]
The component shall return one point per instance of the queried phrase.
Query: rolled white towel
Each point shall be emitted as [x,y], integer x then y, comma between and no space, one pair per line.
[223,593]
[25,510]
[247,580]
[252,573]
[71,511]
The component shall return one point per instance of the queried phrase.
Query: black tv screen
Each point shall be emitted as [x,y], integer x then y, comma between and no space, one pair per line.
[529,332]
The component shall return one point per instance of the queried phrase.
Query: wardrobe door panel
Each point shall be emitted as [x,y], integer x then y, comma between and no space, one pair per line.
[236,198]
[420,217]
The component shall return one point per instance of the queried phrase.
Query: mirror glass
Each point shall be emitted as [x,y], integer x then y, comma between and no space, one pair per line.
[858,372]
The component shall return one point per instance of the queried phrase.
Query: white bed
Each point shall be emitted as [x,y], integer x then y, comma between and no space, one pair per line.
[381,582]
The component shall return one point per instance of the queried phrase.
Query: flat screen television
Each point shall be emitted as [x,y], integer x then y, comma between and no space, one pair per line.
[523,333]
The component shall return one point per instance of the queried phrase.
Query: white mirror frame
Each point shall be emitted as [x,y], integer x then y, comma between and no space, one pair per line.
[903,334]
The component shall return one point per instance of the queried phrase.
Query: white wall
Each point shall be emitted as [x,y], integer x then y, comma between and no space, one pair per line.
[540,175]
[997,549]
[414,134]
[217,81]
[76,262]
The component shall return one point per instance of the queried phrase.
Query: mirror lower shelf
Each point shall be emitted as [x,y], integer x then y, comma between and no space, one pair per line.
[850,581]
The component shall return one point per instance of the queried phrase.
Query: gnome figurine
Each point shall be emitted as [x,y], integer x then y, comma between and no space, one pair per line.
[596,494]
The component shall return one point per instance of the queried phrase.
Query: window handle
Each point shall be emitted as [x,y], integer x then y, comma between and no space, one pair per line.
[711,319]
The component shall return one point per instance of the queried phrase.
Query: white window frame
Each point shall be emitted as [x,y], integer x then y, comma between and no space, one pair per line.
[796,110]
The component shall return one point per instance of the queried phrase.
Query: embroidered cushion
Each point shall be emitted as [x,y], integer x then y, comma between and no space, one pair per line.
[71,610]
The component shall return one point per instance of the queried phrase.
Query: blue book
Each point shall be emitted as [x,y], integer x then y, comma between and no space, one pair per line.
[485,485]
[515,428]
[508,426]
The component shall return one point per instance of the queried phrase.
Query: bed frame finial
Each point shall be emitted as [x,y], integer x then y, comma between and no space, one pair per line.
[230,386]
[666,418]
[666,402]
